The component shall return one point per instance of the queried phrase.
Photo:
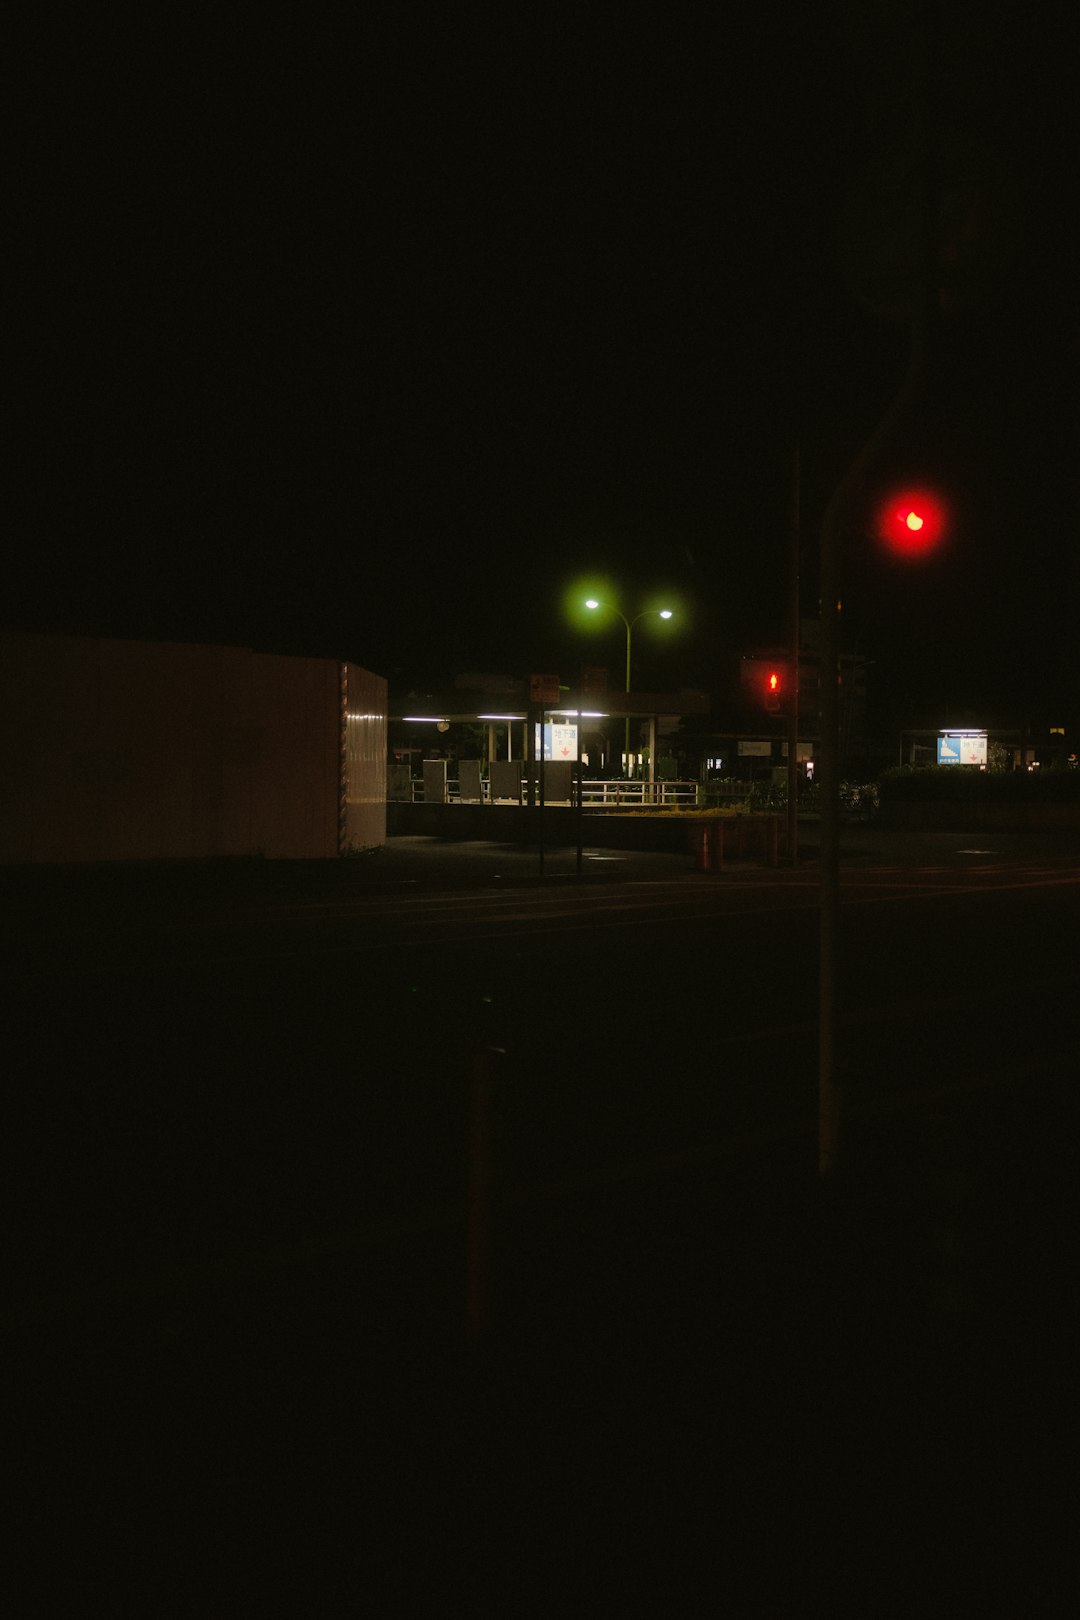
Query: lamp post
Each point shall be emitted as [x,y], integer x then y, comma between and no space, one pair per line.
[662,613]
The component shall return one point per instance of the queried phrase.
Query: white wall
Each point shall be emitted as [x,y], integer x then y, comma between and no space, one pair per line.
[136,750]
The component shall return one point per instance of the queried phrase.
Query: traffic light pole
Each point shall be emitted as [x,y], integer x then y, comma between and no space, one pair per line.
[830,1096]
[829,853]
[923,314]
[793,676]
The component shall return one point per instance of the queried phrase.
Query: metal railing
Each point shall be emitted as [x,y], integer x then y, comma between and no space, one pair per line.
[685,795]
[651,794]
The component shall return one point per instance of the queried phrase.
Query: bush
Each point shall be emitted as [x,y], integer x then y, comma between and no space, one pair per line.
[856,798]
[907,784]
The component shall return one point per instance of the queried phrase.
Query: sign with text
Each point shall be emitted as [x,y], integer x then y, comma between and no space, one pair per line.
[543,689]
[560,741]
[962,748]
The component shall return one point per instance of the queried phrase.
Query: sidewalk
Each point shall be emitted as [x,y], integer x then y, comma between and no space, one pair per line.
[421,859]
[868,841]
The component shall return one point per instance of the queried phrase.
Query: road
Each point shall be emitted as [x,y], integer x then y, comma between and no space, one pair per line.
[242,1126]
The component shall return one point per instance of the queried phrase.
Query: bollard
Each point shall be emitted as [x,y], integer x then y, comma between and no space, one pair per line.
[709,846]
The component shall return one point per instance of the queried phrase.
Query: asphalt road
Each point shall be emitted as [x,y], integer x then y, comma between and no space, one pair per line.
[242,1116]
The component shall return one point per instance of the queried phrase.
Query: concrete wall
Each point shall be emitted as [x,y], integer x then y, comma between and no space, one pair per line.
[744,835]
[503,823]
[118,750]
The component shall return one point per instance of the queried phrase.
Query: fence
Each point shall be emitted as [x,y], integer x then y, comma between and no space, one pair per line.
[643,795]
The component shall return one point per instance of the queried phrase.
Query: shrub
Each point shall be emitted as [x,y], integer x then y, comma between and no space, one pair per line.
[856,798]
[906,784]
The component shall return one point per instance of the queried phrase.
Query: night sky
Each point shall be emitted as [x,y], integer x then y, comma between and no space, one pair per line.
[364,332]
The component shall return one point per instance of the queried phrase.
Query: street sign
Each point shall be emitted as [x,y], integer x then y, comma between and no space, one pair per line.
[962,748]
[558,742]
[543,689]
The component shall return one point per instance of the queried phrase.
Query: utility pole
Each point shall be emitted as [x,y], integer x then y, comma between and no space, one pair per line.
[793,679]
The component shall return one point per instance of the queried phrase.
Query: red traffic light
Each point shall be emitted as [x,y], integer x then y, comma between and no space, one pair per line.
[912,522]
[762,682]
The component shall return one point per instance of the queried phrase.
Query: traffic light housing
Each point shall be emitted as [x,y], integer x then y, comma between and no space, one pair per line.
[912,521]
[763,682]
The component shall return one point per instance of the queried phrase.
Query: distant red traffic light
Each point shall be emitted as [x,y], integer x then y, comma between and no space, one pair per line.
[912,522]
[763,682]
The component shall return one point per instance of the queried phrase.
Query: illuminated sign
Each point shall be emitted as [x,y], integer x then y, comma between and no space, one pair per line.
[560,741]
[962,748]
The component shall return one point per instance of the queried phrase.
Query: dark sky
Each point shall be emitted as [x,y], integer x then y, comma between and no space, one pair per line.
[365,332]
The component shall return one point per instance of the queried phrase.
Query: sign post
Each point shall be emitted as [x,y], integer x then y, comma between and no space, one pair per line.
[543,694]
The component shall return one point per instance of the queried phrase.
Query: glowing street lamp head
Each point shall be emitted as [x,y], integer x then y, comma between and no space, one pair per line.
[665,613]
[592,602]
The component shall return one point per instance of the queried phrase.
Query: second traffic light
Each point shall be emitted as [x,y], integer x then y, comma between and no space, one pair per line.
[764,682]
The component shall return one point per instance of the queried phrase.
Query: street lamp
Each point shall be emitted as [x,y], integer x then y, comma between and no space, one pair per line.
[662,613]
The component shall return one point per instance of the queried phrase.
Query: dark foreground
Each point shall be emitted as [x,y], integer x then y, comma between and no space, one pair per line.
[693,1377]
